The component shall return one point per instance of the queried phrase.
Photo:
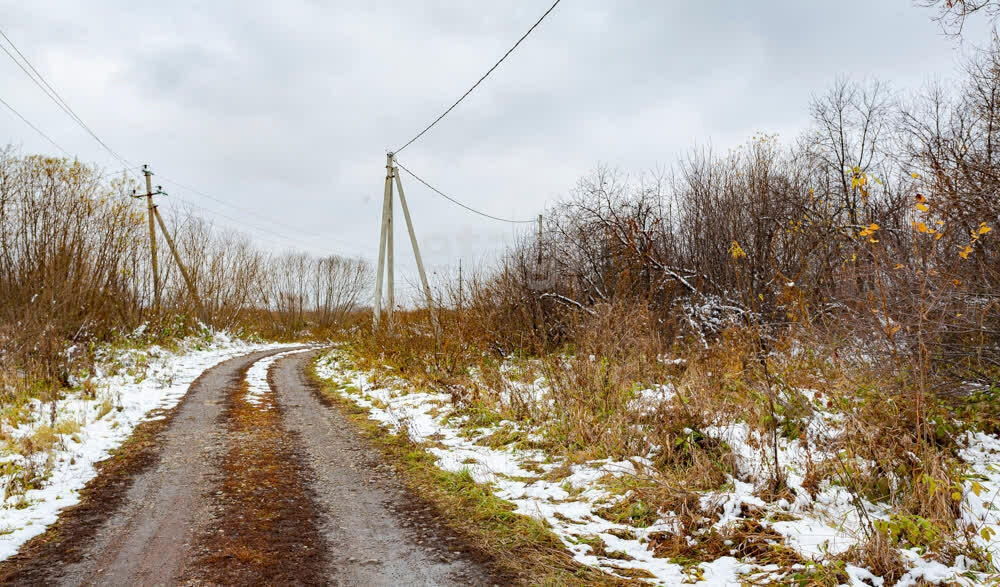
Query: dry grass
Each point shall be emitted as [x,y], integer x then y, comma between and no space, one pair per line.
[616,351]
[522,549]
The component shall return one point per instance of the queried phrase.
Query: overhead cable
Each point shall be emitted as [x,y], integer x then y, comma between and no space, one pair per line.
[53,95]
[33,127]
[476,85]
[457,203]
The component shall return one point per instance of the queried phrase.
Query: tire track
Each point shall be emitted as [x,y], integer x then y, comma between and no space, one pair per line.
[263,526]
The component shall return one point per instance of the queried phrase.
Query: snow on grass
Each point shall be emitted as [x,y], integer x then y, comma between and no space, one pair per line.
[87,430]
[814,527]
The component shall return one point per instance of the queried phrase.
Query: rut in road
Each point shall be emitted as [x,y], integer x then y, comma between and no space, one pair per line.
[378,534]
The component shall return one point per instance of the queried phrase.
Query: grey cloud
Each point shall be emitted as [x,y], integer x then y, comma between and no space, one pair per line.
[286,108]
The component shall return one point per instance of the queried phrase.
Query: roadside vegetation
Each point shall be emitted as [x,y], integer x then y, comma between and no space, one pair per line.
[786,341]
[76,301]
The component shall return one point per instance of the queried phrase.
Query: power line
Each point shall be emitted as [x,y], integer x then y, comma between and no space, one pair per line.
[247,225]
[236,207]
[313,235]
[456,202]
[33,127]
[53,95]
[485,75]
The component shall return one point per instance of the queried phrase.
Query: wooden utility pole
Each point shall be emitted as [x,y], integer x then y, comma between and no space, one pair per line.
[385,258]
[152,233]
[154,213]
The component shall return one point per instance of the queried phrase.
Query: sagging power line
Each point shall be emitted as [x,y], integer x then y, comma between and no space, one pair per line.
[476,85]
[248,211]
[385,259]
[457,203]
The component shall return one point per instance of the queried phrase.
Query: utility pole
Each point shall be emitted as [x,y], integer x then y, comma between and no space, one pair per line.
[154,213]
[152,233]
[539,245]
[390,254]
[386,213]
[385,255]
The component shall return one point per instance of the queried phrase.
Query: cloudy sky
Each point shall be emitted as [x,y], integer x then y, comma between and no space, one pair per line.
[286,109]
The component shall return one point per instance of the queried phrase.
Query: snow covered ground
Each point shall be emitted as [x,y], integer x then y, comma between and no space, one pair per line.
[812,526]
[146,380]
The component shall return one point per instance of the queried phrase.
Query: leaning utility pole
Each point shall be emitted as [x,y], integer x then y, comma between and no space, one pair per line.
[154,213]
[180,264]
[385,253]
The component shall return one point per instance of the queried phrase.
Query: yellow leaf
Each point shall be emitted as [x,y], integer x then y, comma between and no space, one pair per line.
[956,282]
[921,227]
[977,488]
[922,207]
[957,495]
[921,198]
[915,175]
[874,226]
[938,237]
[736,250]
[983,229]
[899,265]
[761,296]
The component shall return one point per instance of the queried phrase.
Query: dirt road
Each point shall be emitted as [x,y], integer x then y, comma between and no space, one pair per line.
[237,488]
[377,535]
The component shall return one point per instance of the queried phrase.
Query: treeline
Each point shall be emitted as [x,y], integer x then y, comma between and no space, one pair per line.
[874,224]
[75,268]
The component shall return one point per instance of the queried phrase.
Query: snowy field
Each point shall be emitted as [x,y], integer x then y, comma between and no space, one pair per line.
[146,380]
[813,526]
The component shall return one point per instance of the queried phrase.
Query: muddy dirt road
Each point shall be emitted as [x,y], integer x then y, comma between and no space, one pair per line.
[250,482]
[377,535]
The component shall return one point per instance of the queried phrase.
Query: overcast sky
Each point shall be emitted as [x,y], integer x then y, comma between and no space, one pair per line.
[286,109]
